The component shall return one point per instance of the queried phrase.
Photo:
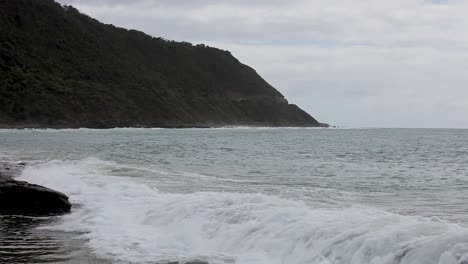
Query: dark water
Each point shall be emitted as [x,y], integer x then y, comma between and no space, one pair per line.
[22,242]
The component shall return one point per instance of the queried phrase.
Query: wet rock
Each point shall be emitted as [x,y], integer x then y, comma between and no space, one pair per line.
[22,198]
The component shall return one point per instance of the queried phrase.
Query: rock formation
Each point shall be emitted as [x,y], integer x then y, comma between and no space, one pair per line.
[22,198]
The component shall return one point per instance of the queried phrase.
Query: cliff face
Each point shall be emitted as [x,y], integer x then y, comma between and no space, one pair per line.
[60,68]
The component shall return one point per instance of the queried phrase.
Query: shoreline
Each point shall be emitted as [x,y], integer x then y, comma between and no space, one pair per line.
[30,127]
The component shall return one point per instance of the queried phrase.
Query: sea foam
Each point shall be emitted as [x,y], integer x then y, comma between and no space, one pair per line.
[126,219]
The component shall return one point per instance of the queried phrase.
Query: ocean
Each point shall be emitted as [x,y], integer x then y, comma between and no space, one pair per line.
[243,196]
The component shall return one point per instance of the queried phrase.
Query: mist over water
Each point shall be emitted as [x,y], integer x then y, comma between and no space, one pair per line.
[252,195]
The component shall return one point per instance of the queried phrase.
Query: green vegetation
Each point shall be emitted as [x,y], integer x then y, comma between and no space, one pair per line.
[61,68]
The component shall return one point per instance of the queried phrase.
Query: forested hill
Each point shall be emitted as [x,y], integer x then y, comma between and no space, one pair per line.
[61,68]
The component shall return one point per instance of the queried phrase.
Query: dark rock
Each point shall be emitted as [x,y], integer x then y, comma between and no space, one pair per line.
[22,198]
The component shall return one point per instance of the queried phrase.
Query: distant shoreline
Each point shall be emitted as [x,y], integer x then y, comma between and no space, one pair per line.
[3,126]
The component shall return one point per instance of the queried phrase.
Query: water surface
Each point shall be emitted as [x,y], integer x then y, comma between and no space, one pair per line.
[251,195]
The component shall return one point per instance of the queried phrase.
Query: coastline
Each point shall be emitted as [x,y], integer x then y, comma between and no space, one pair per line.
[26,127]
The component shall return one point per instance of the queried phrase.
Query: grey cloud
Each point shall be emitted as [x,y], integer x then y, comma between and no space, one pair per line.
[393,23]
[181,3]
[357,62]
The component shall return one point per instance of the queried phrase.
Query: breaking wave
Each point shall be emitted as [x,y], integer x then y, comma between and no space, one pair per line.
[126,219]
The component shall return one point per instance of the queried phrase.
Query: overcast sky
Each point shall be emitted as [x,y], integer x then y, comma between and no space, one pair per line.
[358,63]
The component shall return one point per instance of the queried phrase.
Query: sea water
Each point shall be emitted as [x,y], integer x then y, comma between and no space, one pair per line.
[243,196]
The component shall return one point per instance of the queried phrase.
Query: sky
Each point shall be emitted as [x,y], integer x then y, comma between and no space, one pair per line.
[351,63]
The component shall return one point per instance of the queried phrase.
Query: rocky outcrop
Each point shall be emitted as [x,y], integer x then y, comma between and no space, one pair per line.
[22,198]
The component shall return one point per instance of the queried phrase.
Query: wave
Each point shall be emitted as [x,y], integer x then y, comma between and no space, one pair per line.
[127,219]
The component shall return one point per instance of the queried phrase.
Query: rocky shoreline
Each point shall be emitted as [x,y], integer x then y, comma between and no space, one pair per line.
[181,126]
[23,198]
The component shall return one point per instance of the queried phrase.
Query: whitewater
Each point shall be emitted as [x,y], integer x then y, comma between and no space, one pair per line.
[245,196]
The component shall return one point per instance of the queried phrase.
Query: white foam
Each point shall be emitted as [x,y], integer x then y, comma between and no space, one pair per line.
[128,220]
